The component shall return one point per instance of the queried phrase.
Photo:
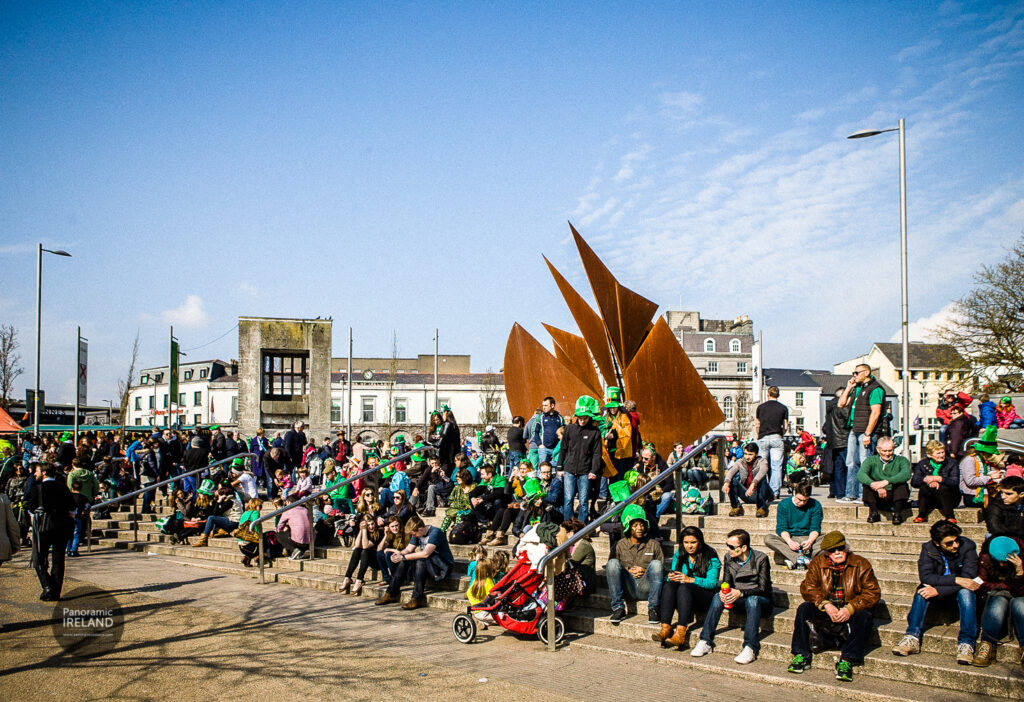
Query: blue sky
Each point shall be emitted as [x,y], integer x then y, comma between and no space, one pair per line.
[401,166]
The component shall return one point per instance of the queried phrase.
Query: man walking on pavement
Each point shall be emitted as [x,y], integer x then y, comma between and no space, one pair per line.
[772,419]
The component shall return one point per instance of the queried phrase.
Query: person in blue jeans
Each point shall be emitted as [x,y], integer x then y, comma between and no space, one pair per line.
[864,397]
[747,481]
[545,430]
[81,518]
[1001,569]
[638,568]
[579,457]
[772,421]
[749,576]
[946,568]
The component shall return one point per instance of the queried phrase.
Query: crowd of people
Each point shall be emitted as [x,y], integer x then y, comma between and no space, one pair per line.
[551,476]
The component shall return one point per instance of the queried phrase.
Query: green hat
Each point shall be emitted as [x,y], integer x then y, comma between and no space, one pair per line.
[65,436]
[207,487]
[613,394]
[631,477]
[833,539]
[619,491]
[586,406]
[633,513]
[533,489]
[238,462]
[1005,400]
[987,442]
[399,439]
[215,426]
[446,408]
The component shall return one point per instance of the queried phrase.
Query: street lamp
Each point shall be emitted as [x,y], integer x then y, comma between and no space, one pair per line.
[39,316]
[905,418]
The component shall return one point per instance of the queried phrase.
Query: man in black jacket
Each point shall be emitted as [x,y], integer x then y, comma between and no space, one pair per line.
[947,567]
[836,436]
[294,444]
[1004,515]
[580,456]
[53,498]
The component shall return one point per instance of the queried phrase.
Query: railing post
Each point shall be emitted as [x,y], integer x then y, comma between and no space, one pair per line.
[259,532]
[679,506]
[551,604]
[135,521]
[722,467]
[312,533]
[88,532]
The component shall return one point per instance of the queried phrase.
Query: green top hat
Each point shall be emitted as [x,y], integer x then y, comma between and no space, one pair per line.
[633,513]
[987,442]
[619,491]
[533,489]
[207,487]
[613,393]
[586,406]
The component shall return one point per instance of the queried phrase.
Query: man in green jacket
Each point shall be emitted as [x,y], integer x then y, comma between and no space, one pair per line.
[81,474]
[886,481]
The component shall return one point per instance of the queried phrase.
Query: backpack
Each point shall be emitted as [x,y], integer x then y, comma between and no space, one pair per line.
[464,533]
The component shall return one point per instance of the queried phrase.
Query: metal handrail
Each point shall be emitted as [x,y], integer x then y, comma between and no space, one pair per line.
[154,486]
[548,560]
[1000,441]
[308,499]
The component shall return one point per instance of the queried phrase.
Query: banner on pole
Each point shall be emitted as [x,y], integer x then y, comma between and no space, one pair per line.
[83,369]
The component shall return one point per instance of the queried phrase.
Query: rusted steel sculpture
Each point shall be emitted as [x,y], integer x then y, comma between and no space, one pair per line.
[673,402]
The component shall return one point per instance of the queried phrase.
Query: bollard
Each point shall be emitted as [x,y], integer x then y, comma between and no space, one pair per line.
[551,605]
[259,532]
[312,535]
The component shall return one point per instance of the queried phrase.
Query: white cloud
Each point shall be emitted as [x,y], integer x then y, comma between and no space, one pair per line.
[248,289]
[191,313]
[626,170]
[924,328]
[681,104]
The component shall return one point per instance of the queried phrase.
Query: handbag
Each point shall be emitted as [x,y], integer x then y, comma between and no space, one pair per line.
[569,583]
[246,533]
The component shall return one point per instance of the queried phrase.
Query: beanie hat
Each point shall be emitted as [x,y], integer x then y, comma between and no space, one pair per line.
[1002,547]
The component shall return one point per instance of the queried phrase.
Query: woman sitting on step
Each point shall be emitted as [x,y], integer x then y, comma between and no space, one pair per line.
[691,583]
[364,553]
[394,541]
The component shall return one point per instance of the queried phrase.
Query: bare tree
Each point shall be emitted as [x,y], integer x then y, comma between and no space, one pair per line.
[741,421]
[10,363]
[987,325]
[490,399]
[125,384]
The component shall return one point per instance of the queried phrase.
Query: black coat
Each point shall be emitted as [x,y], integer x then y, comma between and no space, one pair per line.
[834,428]
[931,566]
[54,497]
[294,444]
[1002,520]
[581,449]
[950,472]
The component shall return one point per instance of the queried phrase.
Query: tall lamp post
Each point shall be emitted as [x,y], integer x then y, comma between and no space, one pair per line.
[905,418]
[39,317]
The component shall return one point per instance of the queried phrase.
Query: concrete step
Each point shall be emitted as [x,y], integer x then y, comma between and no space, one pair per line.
[858,527]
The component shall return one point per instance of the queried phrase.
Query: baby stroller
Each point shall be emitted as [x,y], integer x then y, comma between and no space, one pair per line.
[517,602]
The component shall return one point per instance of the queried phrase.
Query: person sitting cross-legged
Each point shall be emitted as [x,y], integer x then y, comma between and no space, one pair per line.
[797,537]
[946,567]
[886,481]
[428,557]
[638,568]
[749,576]
[747,481]
[840,591]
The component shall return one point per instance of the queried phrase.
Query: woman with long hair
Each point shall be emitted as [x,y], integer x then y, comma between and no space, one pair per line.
[691,582]
[400,507]
[364,552]
[395,539]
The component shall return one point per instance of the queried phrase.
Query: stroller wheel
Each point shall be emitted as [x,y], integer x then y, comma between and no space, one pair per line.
[464,628]
[542,630]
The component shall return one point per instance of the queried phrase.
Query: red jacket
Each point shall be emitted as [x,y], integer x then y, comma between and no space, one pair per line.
[942,411]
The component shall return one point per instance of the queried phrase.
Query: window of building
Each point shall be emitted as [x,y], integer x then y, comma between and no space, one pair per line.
[152,402]
[234,409]
[188,375]
[727,407]
[335,413]
[138,403]
[197,398]
[709,345]
[799,399]
[368,406]
[158,378]
[924,398]
[197,419]
[144,378]
[799,424]
[138,421]
[401,410]
[734,346]
[202,372]
[712,366]
[741,367]
[934,424]
[285,375]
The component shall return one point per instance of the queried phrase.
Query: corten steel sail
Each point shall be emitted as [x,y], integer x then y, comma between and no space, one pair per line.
[673,402]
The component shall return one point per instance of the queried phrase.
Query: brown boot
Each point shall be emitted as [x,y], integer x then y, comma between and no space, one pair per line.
[500,539]
[662,634]
[488,535]
[203,541]
[221,533]
[386,598]
[414,603]
[985,654]
[736,512]
[678,638]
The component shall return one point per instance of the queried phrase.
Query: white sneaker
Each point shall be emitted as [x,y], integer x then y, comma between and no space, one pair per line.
[702,648]
[747,655]
[790,565]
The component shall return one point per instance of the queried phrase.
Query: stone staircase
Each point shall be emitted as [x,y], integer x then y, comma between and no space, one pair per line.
[892,551]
